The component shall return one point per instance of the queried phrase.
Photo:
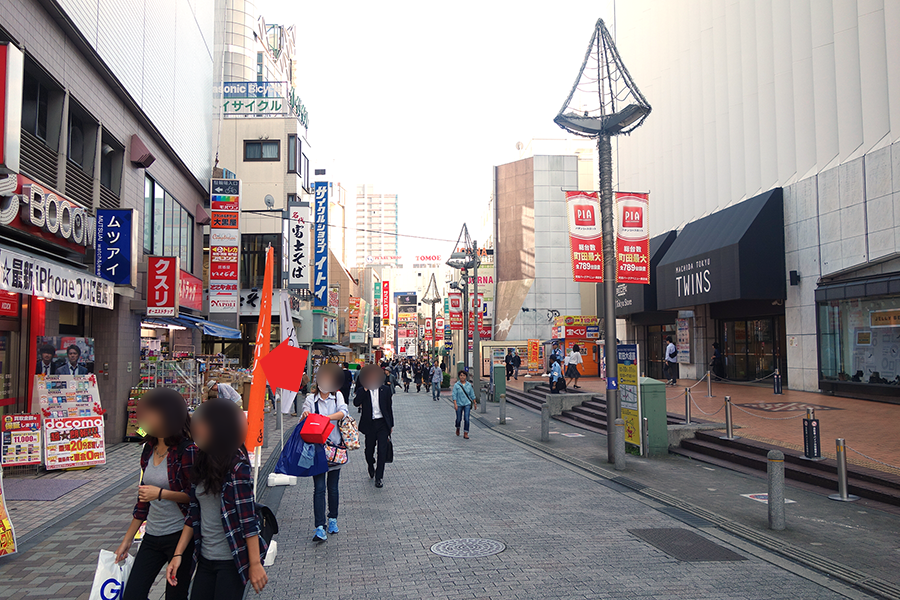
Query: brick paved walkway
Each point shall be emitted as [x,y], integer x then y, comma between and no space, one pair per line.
[566,533]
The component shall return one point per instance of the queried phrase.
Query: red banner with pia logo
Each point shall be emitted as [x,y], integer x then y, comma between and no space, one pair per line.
[585,236]
[632,238]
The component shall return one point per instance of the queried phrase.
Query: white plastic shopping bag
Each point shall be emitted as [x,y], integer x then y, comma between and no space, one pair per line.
[110,578]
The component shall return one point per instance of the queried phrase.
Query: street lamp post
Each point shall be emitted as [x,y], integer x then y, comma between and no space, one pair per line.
[605,102]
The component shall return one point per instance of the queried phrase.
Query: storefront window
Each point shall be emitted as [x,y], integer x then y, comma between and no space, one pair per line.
[168,227]
[253,259]
[859,340]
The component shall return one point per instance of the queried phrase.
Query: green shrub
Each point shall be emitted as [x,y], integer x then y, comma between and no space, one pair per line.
[446,383]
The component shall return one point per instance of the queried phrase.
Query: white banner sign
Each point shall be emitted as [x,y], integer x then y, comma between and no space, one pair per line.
[287,333]
[297,253]
[21,274]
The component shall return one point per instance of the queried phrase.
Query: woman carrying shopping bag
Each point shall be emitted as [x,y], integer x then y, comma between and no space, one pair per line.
[221,517]
[328,401]
[163,498]
[463,401]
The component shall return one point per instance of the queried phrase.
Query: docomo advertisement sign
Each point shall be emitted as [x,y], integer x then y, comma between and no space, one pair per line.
[585,236]
[162,286]
[633,238]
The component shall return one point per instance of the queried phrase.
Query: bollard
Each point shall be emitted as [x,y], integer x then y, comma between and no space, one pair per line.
[687,406]
[776,382]
[729,423]
[775,473]
[545,423]
[842,495]
[482,404]
[812,437]
[619,444]
[645,437]
[709,393]
[503,408]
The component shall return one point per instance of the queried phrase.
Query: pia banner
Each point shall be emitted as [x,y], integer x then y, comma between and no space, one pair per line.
[585,236]
[456,311]
[632,238]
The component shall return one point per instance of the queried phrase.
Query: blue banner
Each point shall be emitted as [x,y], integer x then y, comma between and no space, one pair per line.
[112,256]
[320,266]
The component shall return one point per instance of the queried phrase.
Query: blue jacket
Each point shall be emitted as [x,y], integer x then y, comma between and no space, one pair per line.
[463,394]
[555,372]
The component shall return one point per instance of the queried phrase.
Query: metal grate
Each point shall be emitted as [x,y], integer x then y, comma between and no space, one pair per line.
[108,198]
[37,160]
[468,548]
[79,186]
[685,545]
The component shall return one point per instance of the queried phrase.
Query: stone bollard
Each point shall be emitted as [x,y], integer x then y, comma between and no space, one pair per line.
[503,408]
[619,444]
[775,473]
[545,423]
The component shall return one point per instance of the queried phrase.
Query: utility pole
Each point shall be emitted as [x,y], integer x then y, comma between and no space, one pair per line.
[476,337]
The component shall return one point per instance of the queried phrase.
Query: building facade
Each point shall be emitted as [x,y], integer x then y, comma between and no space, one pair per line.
[376,225]
[798,102]
[114,115]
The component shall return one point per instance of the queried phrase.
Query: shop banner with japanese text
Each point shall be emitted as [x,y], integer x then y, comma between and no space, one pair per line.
[7,532]
[632,238]
[585,236]
[534,360]
[456,311]
[225,243]
[116,245]
[163,286]
[73,420]
[21,439]
[386,301]
[263,339]
[31,276]
[289,335]
[320,244]
[630,391]
[298,240]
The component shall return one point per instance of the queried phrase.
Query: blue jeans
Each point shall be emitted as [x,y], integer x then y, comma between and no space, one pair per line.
[463,411]
[329,480]
[435,389]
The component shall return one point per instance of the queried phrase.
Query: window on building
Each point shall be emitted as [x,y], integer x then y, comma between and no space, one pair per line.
[35,107]
[82,143]
[262,150]
[292,148]
[858,340]
[111,157]
[259,66]
[304,173]
[168,227]
[253,259]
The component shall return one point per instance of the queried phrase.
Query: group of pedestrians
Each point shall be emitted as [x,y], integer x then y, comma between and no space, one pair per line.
[406,371]
[565,368]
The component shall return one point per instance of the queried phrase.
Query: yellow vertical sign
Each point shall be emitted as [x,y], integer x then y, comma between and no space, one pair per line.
[630,391]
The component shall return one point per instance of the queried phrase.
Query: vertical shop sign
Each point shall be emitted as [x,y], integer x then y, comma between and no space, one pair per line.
[456,312]
[630,391]
[224,248]
[633,238]
[585,236]
[298,245]
[386,302]
[162,286]
[534,360]
[115,246]
[320,266]
[12,63]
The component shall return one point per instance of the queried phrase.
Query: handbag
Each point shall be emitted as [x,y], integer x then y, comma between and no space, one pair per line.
[336,454]
[350,433]
[316,429]
[110,576]
[389,451]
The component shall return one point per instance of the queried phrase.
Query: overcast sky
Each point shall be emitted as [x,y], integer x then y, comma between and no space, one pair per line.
[424,101]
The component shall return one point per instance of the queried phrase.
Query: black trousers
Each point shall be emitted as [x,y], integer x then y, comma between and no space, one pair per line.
[155,553]
[217,580]
[377,438]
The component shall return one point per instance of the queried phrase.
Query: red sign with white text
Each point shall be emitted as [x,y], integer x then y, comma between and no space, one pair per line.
[162,286]
[456,314]
[385,300]
[585,236]
[9,304]
[223,271]
[190,291]
[632,238]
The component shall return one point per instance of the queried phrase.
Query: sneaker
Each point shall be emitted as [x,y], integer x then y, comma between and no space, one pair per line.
[319,535]
[332,526]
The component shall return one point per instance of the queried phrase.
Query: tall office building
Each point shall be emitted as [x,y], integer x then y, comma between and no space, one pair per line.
[376,224]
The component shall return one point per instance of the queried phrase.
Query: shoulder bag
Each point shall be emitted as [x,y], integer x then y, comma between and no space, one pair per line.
[336,453]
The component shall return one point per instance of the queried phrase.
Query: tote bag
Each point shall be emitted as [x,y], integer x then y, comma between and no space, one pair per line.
[110,577]
[297,452]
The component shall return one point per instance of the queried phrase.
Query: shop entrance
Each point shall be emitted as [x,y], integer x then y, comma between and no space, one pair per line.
[656,347]
[753,348]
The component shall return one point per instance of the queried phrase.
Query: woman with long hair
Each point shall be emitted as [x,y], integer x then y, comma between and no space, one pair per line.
[328,401]
[163,498]
[222,514]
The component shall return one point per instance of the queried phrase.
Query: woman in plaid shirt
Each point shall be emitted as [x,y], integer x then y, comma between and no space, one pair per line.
[162,496]
[222,514]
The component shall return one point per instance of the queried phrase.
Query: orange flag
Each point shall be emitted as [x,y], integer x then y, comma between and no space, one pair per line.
[255,414]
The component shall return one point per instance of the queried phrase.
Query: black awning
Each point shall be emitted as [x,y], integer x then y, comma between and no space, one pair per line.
[634,298]
[733,254]
[878,285]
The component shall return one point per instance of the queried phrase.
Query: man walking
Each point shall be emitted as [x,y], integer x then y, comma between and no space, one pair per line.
[348,382]
[437,380]
[516,363]
[671,363]
[377,420]
[509,363]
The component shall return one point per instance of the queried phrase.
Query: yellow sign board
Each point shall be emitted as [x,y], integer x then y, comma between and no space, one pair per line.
[885,318]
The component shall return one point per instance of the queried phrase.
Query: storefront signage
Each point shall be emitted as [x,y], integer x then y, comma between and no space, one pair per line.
[885,318]
[353,314]
[73,421]
[224,242]
[255,98]
[9,304]
[116,239]
[298,240]
[26,275]
[380,260]
[162,286]
[11,76]
[190,291]
[357,338]
[683,339]
[386,301]
[534,360]
[585,236]
[21,439]
[39,210]
[630,391]
[320,265]
[633,238]
[376,329]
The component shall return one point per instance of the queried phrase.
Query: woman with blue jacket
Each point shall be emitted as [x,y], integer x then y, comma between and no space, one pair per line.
[463,400]
[555,375]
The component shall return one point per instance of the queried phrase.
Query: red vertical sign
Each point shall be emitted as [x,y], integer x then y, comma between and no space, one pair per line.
[255,413]
[385,300]
[162,286]
[585,236]
[633,238]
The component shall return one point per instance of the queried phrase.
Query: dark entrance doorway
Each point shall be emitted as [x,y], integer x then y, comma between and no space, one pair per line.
[753,348]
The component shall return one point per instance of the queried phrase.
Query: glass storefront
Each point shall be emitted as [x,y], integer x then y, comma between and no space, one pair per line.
[753,348]
[859,340]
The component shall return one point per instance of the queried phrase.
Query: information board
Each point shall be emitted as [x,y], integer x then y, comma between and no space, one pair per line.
[21,440]
[73,421]
[630,392]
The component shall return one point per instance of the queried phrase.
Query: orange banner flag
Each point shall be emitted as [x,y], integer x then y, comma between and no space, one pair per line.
[255,414]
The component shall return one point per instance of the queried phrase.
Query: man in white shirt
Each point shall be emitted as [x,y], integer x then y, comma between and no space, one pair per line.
[671,362]
[377,420]
[223,390]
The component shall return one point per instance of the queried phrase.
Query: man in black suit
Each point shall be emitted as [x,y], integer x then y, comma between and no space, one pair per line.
[348,382]
[377,420]
[47,363]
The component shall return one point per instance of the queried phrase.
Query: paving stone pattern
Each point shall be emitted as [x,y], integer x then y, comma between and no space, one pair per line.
[566,535]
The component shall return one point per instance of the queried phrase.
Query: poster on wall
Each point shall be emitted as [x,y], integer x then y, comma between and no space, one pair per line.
[630,392]
[20,439]
[73,420]
[7,532]
[64,355]
[632,238]
[534,359]
[585,236]
[683,339]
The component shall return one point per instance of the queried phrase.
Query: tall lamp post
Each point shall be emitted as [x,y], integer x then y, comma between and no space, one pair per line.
[605,102]
[465,257]
[432,297]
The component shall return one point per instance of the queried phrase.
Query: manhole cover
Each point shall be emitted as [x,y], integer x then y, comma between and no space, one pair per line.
[685,545]
[468,548]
